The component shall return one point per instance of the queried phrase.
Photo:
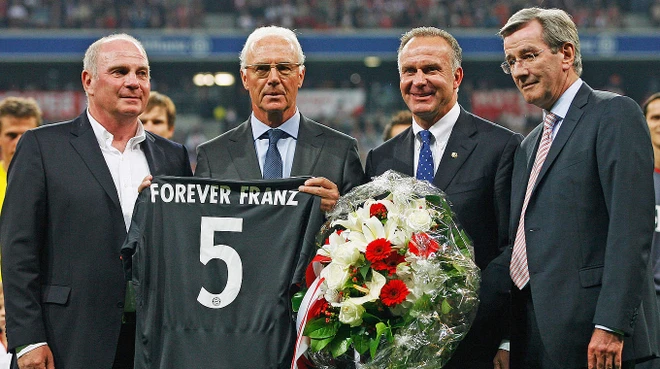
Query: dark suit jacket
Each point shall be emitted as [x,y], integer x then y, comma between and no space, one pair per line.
[320,152]
[61,232]
[477,183]
[589,224]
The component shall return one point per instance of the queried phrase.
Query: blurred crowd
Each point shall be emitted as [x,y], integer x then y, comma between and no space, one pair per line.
[310,14]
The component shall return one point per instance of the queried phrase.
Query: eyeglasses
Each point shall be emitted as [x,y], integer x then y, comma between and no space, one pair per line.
[263,70]
[527,59]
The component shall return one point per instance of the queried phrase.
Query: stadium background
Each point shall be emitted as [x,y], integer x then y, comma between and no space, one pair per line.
[351,81]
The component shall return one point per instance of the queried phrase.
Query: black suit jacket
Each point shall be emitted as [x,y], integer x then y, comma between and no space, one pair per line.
[475,173]
[320,152]
[588,227]
[61,232]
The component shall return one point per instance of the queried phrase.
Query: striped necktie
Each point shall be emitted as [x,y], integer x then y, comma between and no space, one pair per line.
[518,268]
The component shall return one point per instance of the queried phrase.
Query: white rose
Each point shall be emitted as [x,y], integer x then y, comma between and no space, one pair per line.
[418,220]
[345,254]
[351,313]
[335,276]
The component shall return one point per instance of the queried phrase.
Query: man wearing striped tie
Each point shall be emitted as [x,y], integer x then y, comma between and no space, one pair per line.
[581,210]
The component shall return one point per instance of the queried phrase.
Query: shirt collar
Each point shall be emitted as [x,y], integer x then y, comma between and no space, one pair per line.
[291,126]
[104,137]
[560,109]
[443,127]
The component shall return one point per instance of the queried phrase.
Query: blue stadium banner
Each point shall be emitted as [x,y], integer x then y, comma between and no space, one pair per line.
[184,46]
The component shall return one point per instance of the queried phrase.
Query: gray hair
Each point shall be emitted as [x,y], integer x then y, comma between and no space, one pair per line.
[457,58]
[92,54]
[558,29]
[263,32]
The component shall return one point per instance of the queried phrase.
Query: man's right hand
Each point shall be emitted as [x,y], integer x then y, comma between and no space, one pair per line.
[39,358]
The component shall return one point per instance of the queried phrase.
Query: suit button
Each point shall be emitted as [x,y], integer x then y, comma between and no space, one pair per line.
[120,304]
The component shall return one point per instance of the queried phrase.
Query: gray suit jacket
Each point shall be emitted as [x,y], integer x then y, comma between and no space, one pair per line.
[588,226]
[477,181]
[61,232]
[320,152]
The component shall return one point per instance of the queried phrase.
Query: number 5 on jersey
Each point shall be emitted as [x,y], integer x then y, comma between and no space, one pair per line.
[208,251]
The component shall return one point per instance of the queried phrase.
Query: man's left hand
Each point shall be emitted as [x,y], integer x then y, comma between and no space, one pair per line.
[324,188]
[605,350]
[146,182]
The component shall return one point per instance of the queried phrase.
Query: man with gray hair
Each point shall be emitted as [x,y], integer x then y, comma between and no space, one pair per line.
[581,210]
[70,196]
[277,141]
[467,157]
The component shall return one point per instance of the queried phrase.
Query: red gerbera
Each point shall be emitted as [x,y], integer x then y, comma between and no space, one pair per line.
[394,292]
[378,249]
[319,306]
[421,244]
[378,210]
[389,263]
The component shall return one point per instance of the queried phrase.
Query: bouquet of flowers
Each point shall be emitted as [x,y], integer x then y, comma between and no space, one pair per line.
[394,282]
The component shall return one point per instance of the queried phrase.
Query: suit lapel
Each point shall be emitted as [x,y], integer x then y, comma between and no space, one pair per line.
[242,153]
[404,151]
[86,145]
[460,145]
[566,129]
[308,148]
[155,155]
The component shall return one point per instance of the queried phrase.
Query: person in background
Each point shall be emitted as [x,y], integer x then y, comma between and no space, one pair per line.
[397,124]
[159,115]
[17,115]
[651,109]
[581,210]
[70,195]
[467,157]
[278,141]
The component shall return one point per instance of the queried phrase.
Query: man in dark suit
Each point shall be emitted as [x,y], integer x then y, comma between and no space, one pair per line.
[71,191]
[272,70]
[471,160]
[582,210]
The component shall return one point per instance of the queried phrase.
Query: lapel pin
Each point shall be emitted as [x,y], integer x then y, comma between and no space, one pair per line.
[454,154]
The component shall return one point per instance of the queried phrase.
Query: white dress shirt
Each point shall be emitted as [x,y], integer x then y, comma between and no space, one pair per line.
[441,130]
[127,168]
[285,145]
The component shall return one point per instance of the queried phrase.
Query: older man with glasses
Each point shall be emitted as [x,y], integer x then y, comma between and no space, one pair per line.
[277,141]
[581,210]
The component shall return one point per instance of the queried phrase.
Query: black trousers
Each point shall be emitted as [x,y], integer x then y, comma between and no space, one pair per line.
[125,355]
[527,350]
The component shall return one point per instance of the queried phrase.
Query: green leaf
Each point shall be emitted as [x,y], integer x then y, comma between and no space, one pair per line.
[434,199]
[361,343]
[364,270]
[319,329]
[423,303]
[339,347]
[446,308]
[381,329]
[318,345]
[370,319]
[296,300]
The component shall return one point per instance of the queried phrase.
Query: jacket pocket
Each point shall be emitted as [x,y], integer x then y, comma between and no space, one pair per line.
[591,276]
[55,294]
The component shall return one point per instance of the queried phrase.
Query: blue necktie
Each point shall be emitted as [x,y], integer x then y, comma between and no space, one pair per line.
[425,167]
[273,161]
